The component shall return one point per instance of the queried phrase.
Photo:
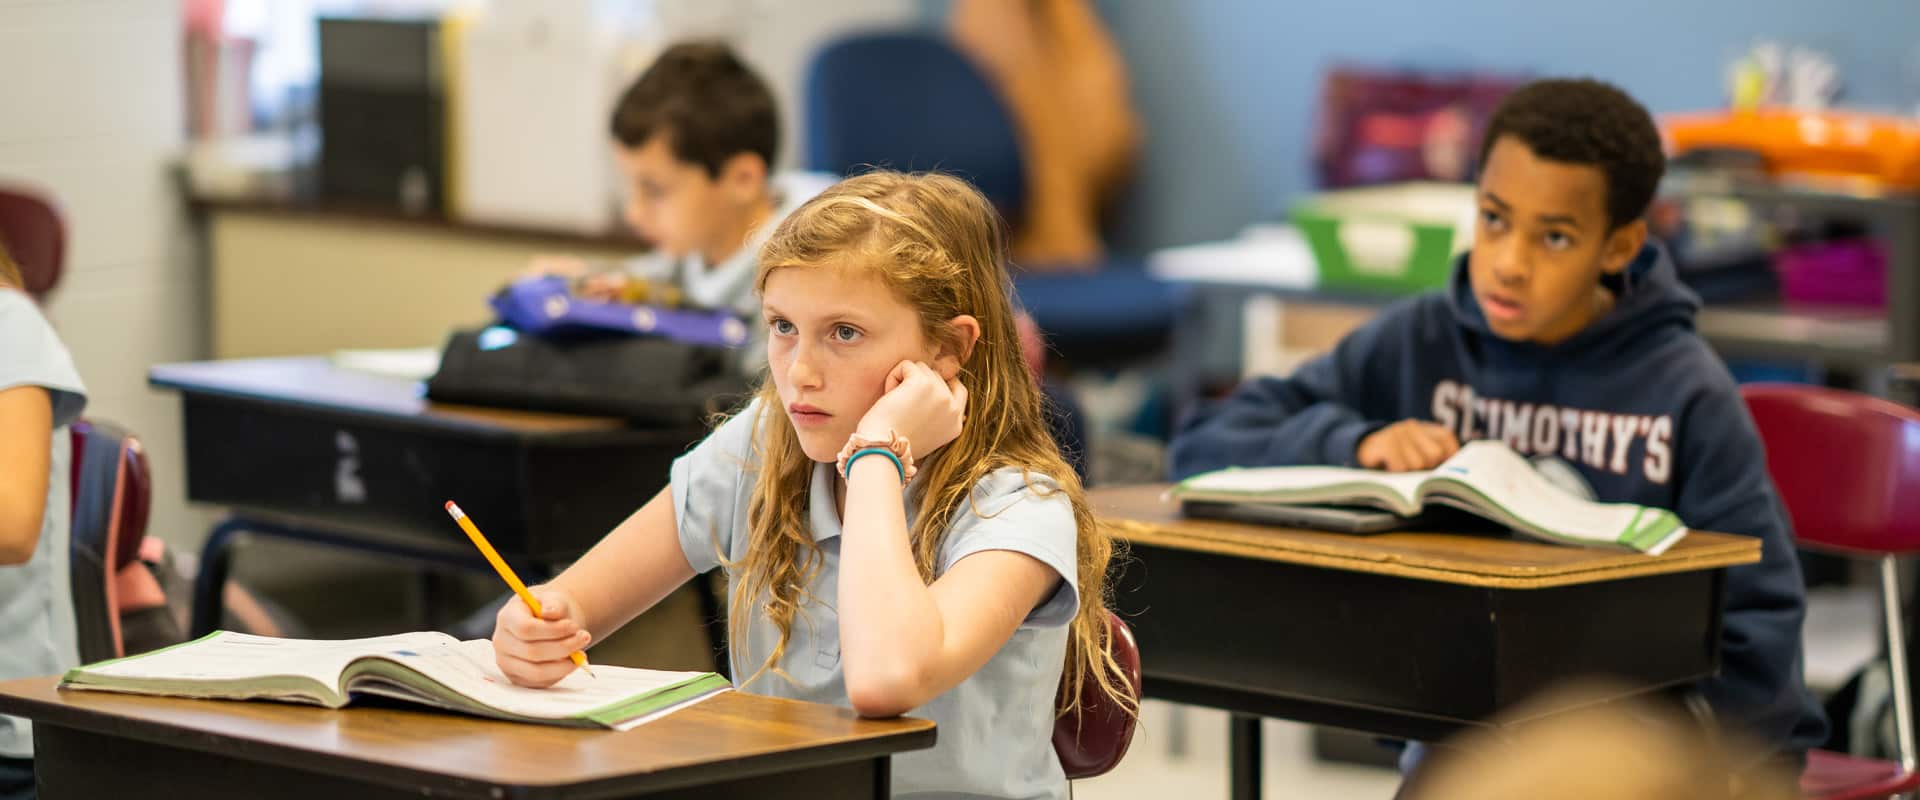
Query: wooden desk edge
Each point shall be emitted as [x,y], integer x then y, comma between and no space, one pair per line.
[1746,551]
[479,420]
[912,734]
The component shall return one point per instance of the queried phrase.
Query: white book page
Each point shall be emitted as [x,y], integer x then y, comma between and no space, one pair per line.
[468,668]
[1510,481]
[1273,484]
[228,656]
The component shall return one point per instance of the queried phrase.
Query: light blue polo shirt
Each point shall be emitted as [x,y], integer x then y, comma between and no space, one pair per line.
[996,727]
[36,598]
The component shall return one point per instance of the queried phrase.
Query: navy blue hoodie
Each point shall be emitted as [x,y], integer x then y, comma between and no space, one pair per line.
[1636,403]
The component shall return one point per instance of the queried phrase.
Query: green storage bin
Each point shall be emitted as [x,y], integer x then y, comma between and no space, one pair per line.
[1394,239]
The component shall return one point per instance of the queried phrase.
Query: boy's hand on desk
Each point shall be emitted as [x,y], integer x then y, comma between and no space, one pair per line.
[1407,445]
[533,651]
[606,286]
[559,266]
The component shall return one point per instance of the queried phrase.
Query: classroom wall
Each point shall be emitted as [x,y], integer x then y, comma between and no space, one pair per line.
[778,38]
[781,38]
[288,285]
[91,111]
[1227,87]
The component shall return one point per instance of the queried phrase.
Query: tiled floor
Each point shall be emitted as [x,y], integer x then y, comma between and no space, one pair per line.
[1200,773]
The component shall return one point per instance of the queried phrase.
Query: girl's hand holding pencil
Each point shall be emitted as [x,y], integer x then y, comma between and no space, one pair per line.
[536,651]
[536,641]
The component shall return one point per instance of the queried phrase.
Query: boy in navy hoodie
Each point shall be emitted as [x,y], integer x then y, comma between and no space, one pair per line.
[1566,334]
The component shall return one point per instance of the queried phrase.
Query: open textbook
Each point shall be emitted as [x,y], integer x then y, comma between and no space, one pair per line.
[429,668]
[1485,478]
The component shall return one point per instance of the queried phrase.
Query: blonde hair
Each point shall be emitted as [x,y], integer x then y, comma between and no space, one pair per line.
[10,276]
[939,246]
[1582,742]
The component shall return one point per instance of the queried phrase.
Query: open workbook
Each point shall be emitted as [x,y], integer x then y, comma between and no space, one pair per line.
[429,668]
[1485,478]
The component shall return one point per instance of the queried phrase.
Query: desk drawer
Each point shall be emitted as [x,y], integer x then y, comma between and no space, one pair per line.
[545,498]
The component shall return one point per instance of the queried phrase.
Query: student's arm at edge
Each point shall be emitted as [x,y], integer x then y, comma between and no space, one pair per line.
[26,434]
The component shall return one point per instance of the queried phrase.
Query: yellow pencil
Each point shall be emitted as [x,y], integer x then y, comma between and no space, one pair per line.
[506,572]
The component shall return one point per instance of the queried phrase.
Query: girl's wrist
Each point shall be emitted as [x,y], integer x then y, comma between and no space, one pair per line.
[874,462]
[886,440]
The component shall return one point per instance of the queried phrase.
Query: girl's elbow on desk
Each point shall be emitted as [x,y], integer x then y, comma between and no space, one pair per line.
[19,535]
[888,690]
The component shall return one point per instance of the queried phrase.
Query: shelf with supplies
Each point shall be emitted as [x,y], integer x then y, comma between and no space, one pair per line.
[1857,337]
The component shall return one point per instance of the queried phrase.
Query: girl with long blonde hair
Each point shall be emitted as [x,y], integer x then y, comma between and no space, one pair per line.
[900,532]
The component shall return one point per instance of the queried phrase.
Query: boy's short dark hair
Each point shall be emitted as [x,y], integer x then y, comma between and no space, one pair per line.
[1587,122]
[706,101]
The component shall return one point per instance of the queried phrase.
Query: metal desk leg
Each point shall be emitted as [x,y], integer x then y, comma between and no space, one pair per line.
[1243,746]
[208,584]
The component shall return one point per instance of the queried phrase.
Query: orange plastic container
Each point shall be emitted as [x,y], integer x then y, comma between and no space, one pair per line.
[1879,148]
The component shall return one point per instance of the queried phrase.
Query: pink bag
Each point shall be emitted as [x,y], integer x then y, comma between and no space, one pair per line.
[1847,272]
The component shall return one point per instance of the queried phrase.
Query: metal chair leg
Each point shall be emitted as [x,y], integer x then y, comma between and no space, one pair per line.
[208,584]
[1897,659]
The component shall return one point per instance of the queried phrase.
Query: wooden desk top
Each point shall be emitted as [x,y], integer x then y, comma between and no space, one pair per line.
[730,735]
[1140,515]
[314,381]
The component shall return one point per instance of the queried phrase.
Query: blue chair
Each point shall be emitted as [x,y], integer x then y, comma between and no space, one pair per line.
[908,101]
